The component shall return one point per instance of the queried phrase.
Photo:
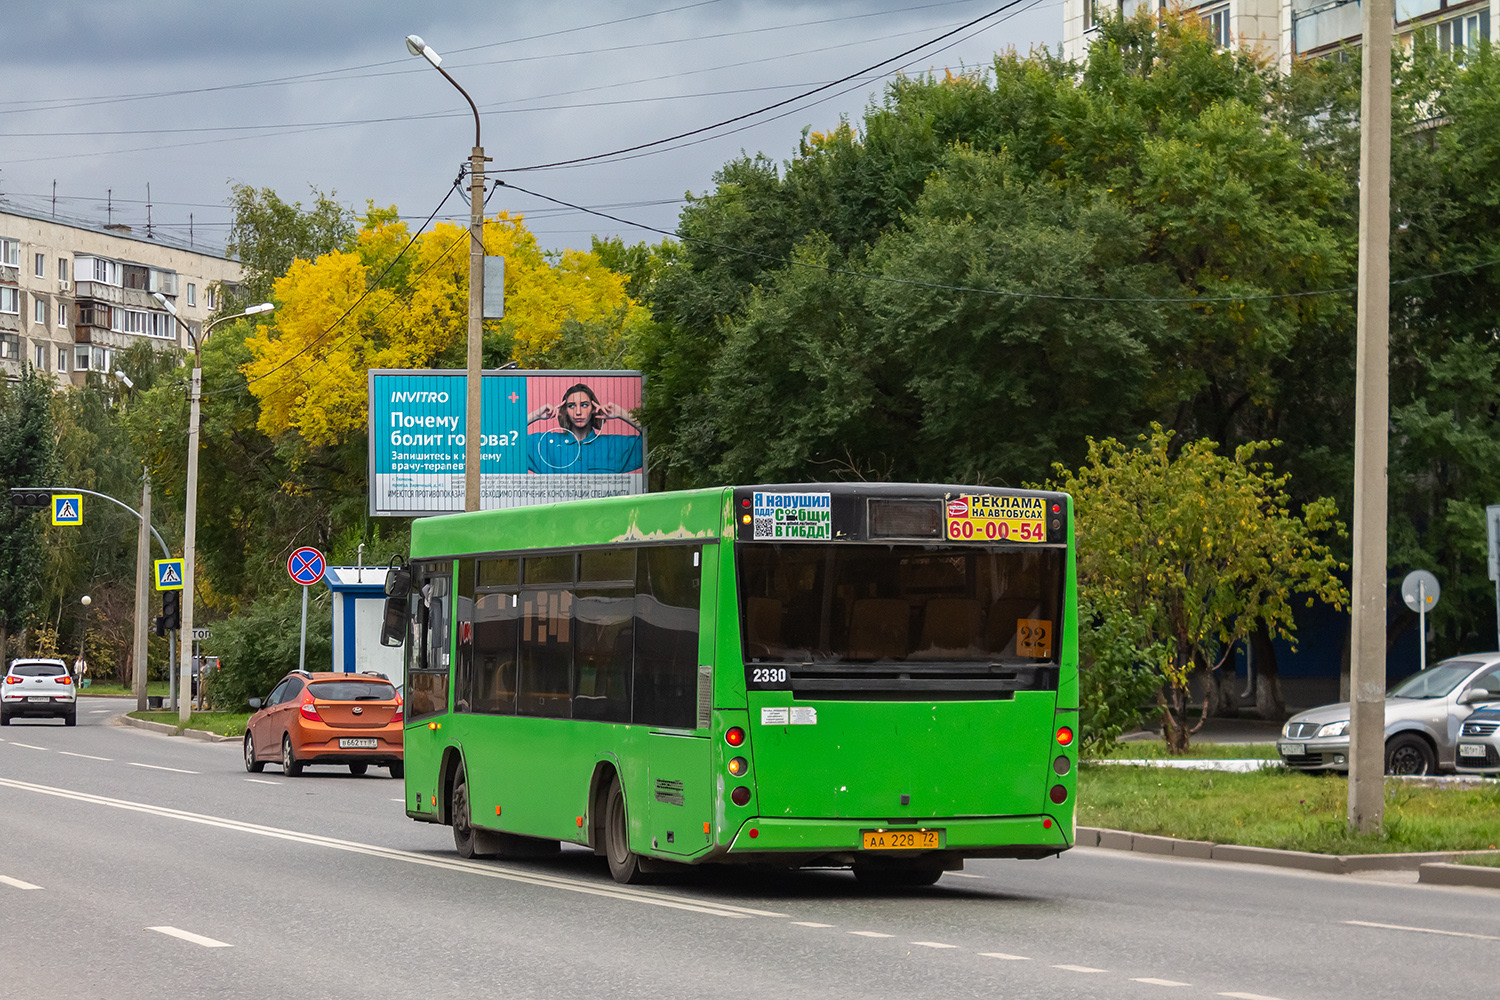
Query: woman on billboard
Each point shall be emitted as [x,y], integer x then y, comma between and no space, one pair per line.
[576,445]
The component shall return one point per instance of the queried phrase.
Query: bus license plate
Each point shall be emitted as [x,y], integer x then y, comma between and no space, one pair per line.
[901,840]
[1471,749]
[357,744]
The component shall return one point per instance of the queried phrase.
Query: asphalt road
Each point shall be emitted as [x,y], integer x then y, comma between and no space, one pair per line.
[137,865]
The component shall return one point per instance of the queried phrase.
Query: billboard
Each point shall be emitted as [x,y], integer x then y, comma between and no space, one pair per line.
[547,436]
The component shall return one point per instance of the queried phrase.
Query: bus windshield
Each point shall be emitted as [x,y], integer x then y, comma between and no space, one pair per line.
[876,603]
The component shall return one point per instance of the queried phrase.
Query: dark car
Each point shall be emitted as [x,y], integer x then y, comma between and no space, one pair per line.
[312,719]
[39,688]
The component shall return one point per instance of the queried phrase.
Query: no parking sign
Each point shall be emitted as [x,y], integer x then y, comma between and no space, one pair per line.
[305,566]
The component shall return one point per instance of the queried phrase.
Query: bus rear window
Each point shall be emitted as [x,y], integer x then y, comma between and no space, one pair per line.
[877,604]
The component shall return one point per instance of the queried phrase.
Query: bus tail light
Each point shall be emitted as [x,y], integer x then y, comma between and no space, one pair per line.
[740,796]
[735,737]
[738,766]
[1064,736]
[1059,794]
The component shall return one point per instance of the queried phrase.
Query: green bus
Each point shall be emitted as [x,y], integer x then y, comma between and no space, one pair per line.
[881,677]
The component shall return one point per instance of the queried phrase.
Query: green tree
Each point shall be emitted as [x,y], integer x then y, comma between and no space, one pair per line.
[268,234]
[26,459]
[1199,548]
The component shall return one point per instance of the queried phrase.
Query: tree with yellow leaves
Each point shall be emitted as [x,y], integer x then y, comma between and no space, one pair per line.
[394,301]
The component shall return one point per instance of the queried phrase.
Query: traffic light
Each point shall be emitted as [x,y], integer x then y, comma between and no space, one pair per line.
[159,625]
[171,610]
[30,498]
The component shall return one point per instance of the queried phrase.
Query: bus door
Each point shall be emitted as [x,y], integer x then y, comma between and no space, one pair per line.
[675,595]
[428,659]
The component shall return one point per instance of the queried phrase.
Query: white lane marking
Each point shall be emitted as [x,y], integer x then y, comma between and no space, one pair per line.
[1421,930]
[962,875]
[1078,968]
[85,756]
[28,746]
[487,869]
[16,883]
[875,934]
[1248,996]
[1003,956]
[158,767]
[395,800]
[1160,982]
[263,781]
[933,944]
[808,923]
[178,932]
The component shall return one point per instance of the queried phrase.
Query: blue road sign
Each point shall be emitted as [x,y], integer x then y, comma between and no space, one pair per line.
[306,566]
[67,508]
[169,573]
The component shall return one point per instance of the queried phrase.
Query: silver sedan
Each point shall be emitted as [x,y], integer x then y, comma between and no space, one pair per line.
[1423,715]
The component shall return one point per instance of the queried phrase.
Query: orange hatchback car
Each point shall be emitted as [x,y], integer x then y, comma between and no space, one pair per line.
[327,718]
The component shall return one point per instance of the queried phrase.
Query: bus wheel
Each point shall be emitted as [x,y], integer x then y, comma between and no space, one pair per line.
[465,840]
[909,875]
[624,864]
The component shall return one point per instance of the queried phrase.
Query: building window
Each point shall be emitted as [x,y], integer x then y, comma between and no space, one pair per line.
[82,362]
[208,295]
[62,314]
[1463,33]
[192,294]
[62,269]
[39,311]
[1218,25]
[10,252]
[99,269]
[40,262]
[62,359]
[40,353]
[10,301]
[10,347]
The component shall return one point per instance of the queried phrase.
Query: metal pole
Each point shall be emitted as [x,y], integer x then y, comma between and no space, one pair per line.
[1371,428]
[302,644]
[142,592]
[1422,623]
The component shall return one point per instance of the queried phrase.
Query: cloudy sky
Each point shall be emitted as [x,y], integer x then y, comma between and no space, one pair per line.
[105,97]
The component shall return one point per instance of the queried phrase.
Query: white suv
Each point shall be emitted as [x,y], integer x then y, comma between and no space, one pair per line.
[38,687]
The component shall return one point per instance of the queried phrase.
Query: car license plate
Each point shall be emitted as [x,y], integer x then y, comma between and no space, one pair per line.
[1471,749]
[901,840]
[43,699]
[1292,749]
[358,744]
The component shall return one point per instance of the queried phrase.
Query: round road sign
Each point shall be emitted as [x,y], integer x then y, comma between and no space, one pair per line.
[1420,590]
[306,566]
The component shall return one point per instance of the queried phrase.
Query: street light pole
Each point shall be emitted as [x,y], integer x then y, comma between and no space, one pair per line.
[472,382]
[190,530]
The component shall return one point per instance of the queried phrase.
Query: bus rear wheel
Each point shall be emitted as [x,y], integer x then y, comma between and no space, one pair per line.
[624,864]
[465,837]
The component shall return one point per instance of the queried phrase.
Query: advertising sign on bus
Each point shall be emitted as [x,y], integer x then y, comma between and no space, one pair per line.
[547,436]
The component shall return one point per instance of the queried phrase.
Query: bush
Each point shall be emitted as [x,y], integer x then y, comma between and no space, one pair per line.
[259,645]
[1117,675]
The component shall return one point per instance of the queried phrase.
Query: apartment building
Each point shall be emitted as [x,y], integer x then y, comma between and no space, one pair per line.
[1284,30]
[73,294]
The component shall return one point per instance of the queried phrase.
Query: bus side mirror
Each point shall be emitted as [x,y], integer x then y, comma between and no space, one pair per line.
[393,628]
[397,582]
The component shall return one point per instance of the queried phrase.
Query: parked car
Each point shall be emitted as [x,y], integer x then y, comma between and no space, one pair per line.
[1423,715]
[1479,743]
[327,718]
[38,687]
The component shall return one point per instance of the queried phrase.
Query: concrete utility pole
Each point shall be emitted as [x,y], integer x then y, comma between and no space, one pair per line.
[1371,427]
[142,592]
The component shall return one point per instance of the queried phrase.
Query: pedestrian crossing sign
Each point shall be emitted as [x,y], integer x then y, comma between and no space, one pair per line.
[67,508]
[168,574]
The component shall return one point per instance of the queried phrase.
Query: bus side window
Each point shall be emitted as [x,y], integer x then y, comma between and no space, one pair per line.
[427,663]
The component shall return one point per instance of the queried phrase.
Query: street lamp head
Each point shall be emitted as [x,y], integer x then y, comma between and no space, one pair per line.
[417,47]
[124,378]
[166,303]
[264,307]
[86,600]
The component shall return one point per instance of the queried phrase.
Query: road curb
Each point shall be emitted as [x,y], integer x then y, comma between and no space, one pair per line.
[171,730]
[1432,866]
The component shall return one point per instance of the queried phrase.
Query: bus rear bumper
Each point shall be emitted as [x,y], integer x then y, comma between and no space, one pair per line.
[841,841]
